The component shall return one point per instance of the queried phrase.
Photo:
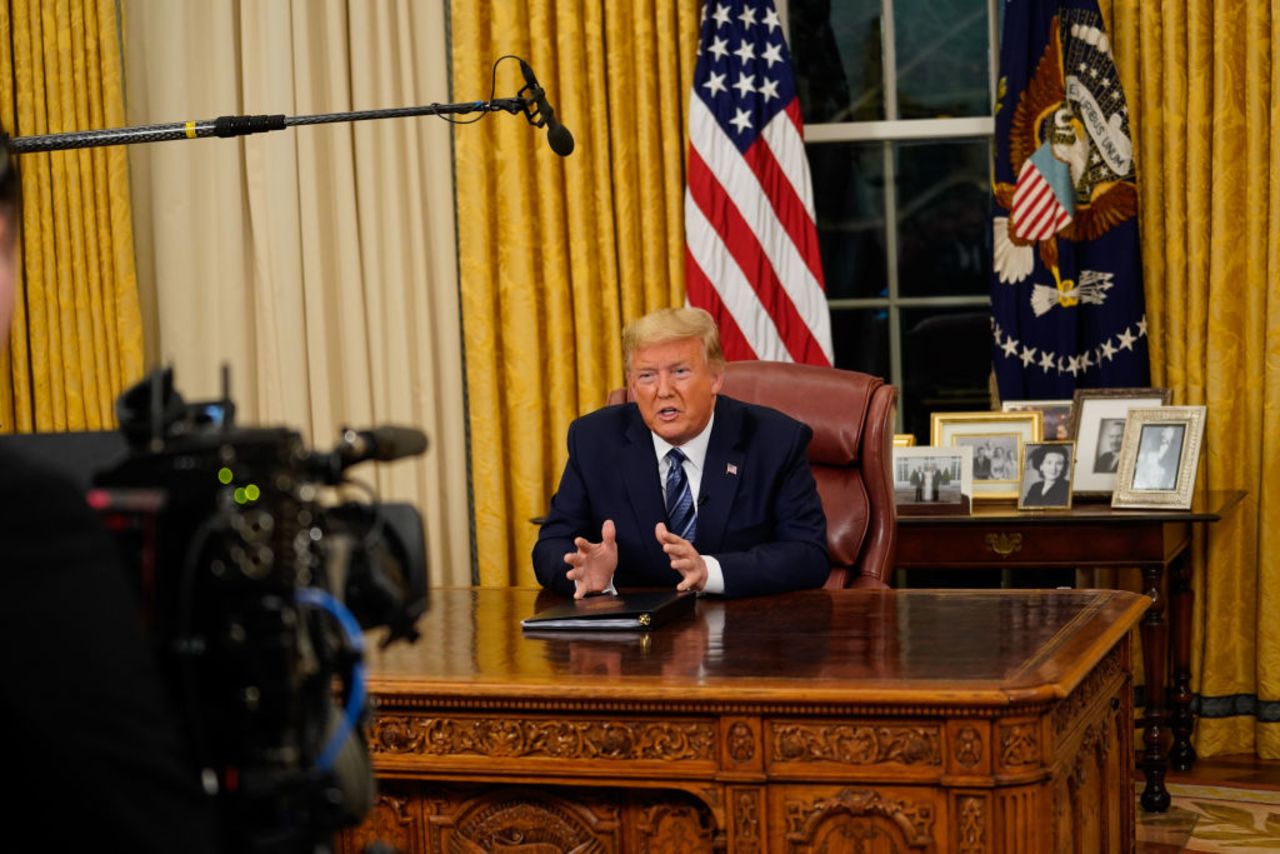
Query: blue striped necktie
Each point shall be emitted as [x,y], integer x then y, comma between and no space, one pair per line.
[681,518]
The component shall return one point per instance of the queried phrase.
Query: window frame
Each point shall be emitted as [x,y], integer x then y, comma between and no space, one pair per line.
[894,130]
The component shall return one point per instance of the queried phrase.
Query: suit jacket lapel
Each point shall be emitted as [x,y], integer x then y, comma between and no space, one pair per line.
[720,476]
[639,468]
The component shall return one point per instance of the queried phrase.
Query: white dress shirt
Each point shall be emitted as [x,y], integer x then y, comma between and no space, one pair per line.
[695,452]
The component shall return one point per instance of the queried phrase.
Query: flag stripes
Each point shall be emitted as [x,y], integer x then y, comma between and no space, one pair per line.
[735,180]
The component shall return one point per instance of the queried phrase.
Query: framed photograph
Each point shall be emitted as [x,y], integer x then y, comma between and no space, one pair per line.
[1046,476]
[996,439]
[1057,416]
[904,440]
[1158,458]
[933,481]
[1097,427]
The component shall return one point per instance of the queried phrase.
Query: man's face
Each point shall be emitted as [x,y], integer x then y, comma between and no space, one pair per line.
[1112,436]
[674,387]
[6,277]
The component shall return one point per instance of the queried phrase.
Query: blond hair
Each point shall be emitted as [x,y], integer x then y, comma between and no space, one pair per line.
[673,324]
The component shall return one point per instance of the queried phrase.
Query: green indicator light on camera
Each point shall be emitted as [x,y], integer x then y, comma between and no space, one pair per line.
[239,495]
[225,476]
[252,492]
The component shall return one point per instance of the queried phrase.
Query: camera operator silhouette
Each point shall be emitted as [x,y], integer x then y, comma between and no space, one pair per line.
[95,760]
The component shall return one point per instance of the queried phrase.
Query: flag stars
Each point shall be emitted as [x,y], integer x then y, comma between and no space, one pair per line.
[772,54]
[1073,365]
[771,20]
[1028,356]
[741,120]
[1142,327]
[715,85]
[745,85]
[748,17]
[1126,339]
[1108,352]
[720,47]
[722,15]
[1086,361]
[769,89]
[1047,361]
[746,51]
[1010,347]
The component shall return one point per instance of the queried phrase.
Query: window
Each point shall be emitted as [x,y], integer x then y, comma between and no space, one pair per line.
[897,99]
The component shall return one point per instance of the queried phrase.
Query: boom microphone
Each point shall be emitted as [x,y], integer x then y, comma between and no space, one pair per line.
[558,136]
[381,443]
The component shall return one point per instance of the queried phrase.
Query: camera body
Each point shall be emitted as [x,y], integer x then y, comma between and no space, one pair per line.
[255,595]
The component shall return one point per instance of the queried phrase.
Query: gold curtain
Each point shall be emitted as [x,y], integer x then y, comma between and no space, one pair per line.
[555,256]
[1208,160]
[77,332]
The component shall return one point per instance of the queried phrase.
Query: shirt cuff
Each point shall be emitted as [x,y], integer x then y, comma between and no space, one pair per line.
[715,577]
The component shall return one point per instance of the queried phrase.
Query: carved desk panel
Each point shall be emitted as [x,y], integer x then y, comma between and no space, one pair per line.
[823,720]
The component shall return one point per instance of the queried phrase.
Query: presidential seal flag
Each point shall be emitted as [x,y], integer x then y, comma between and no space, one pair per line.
[751,247]
[1067,308]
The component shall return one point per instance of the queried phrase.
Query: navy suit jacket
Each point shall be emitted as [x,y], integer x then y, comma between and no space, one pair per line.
[758,509]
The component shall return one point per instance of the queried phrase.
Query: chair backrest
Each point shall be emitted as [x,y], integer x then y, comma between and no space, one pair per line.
[851,415]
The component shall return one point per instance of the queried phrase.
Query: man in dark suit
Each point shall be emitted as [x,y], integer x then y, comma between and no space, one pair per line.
[94,759]
[625,514]
[1110,439]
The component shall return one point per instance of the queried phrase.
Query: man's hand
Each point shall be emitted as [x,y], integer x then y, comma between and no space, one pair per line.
[593,563]
[684,559]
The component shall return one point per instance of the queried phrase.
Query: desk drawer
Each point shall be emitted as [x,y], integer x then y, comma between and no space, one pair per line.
[1027,545]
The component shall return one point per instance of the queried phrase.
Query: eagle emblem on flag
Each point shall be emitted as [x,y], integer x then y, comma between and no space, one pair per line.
[1064,228]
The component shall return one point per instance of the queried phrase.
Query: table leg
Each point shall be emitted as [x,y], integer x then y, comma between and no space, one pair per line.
[1181,720]
[1155,797]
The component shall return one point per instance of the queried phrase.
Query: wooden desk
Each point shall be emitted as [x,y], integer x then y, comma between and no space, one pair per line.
[1094,535]
[986,721]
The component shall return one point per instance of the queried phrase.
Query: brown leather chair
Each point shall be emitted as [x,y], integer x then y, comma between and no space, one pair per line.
[851,415]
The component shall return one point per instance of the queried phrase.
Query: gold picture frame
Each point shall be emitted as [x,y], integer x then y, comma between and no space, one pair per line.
[997,439]
[1037,471]
[1159,458]
[904,440]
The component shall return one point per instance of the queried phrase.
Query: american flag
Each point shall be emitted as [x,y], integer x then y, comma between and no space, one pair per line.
[751,248]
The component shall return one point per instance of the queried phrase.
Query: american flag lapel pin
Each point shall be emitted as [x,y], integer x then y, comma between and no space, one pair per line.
[730,468]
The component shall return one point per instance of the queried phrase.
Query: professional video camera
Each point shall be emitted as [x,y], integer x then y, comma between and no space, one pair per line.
[256,595]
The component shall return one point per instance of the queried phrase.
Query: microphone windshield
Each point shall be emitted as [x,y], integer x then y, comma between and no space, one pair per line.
[560,139]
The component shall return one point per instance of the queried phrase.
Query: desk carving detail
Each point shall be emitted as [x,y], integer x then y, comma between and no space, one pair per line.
[525,824]
[742,742]
[1019,745]
[1004,544]
[808,823]
[971,838]
[560,739]
[857,745]
[666,826]
[1065,716]
[746,822]
[968,747]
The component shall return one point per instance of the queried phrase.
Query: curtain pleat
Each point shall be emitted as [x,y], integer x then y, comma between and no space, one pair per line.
[318,262]
[556,255]
[1205,109]
[77,335]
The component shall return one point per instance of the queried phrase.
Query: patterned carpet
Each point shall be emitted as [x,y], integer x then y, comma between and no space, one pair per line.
[1206,819]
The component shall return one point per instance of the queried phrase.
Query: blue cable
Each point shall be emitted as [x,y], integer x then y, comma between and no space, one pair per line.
[355,702]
